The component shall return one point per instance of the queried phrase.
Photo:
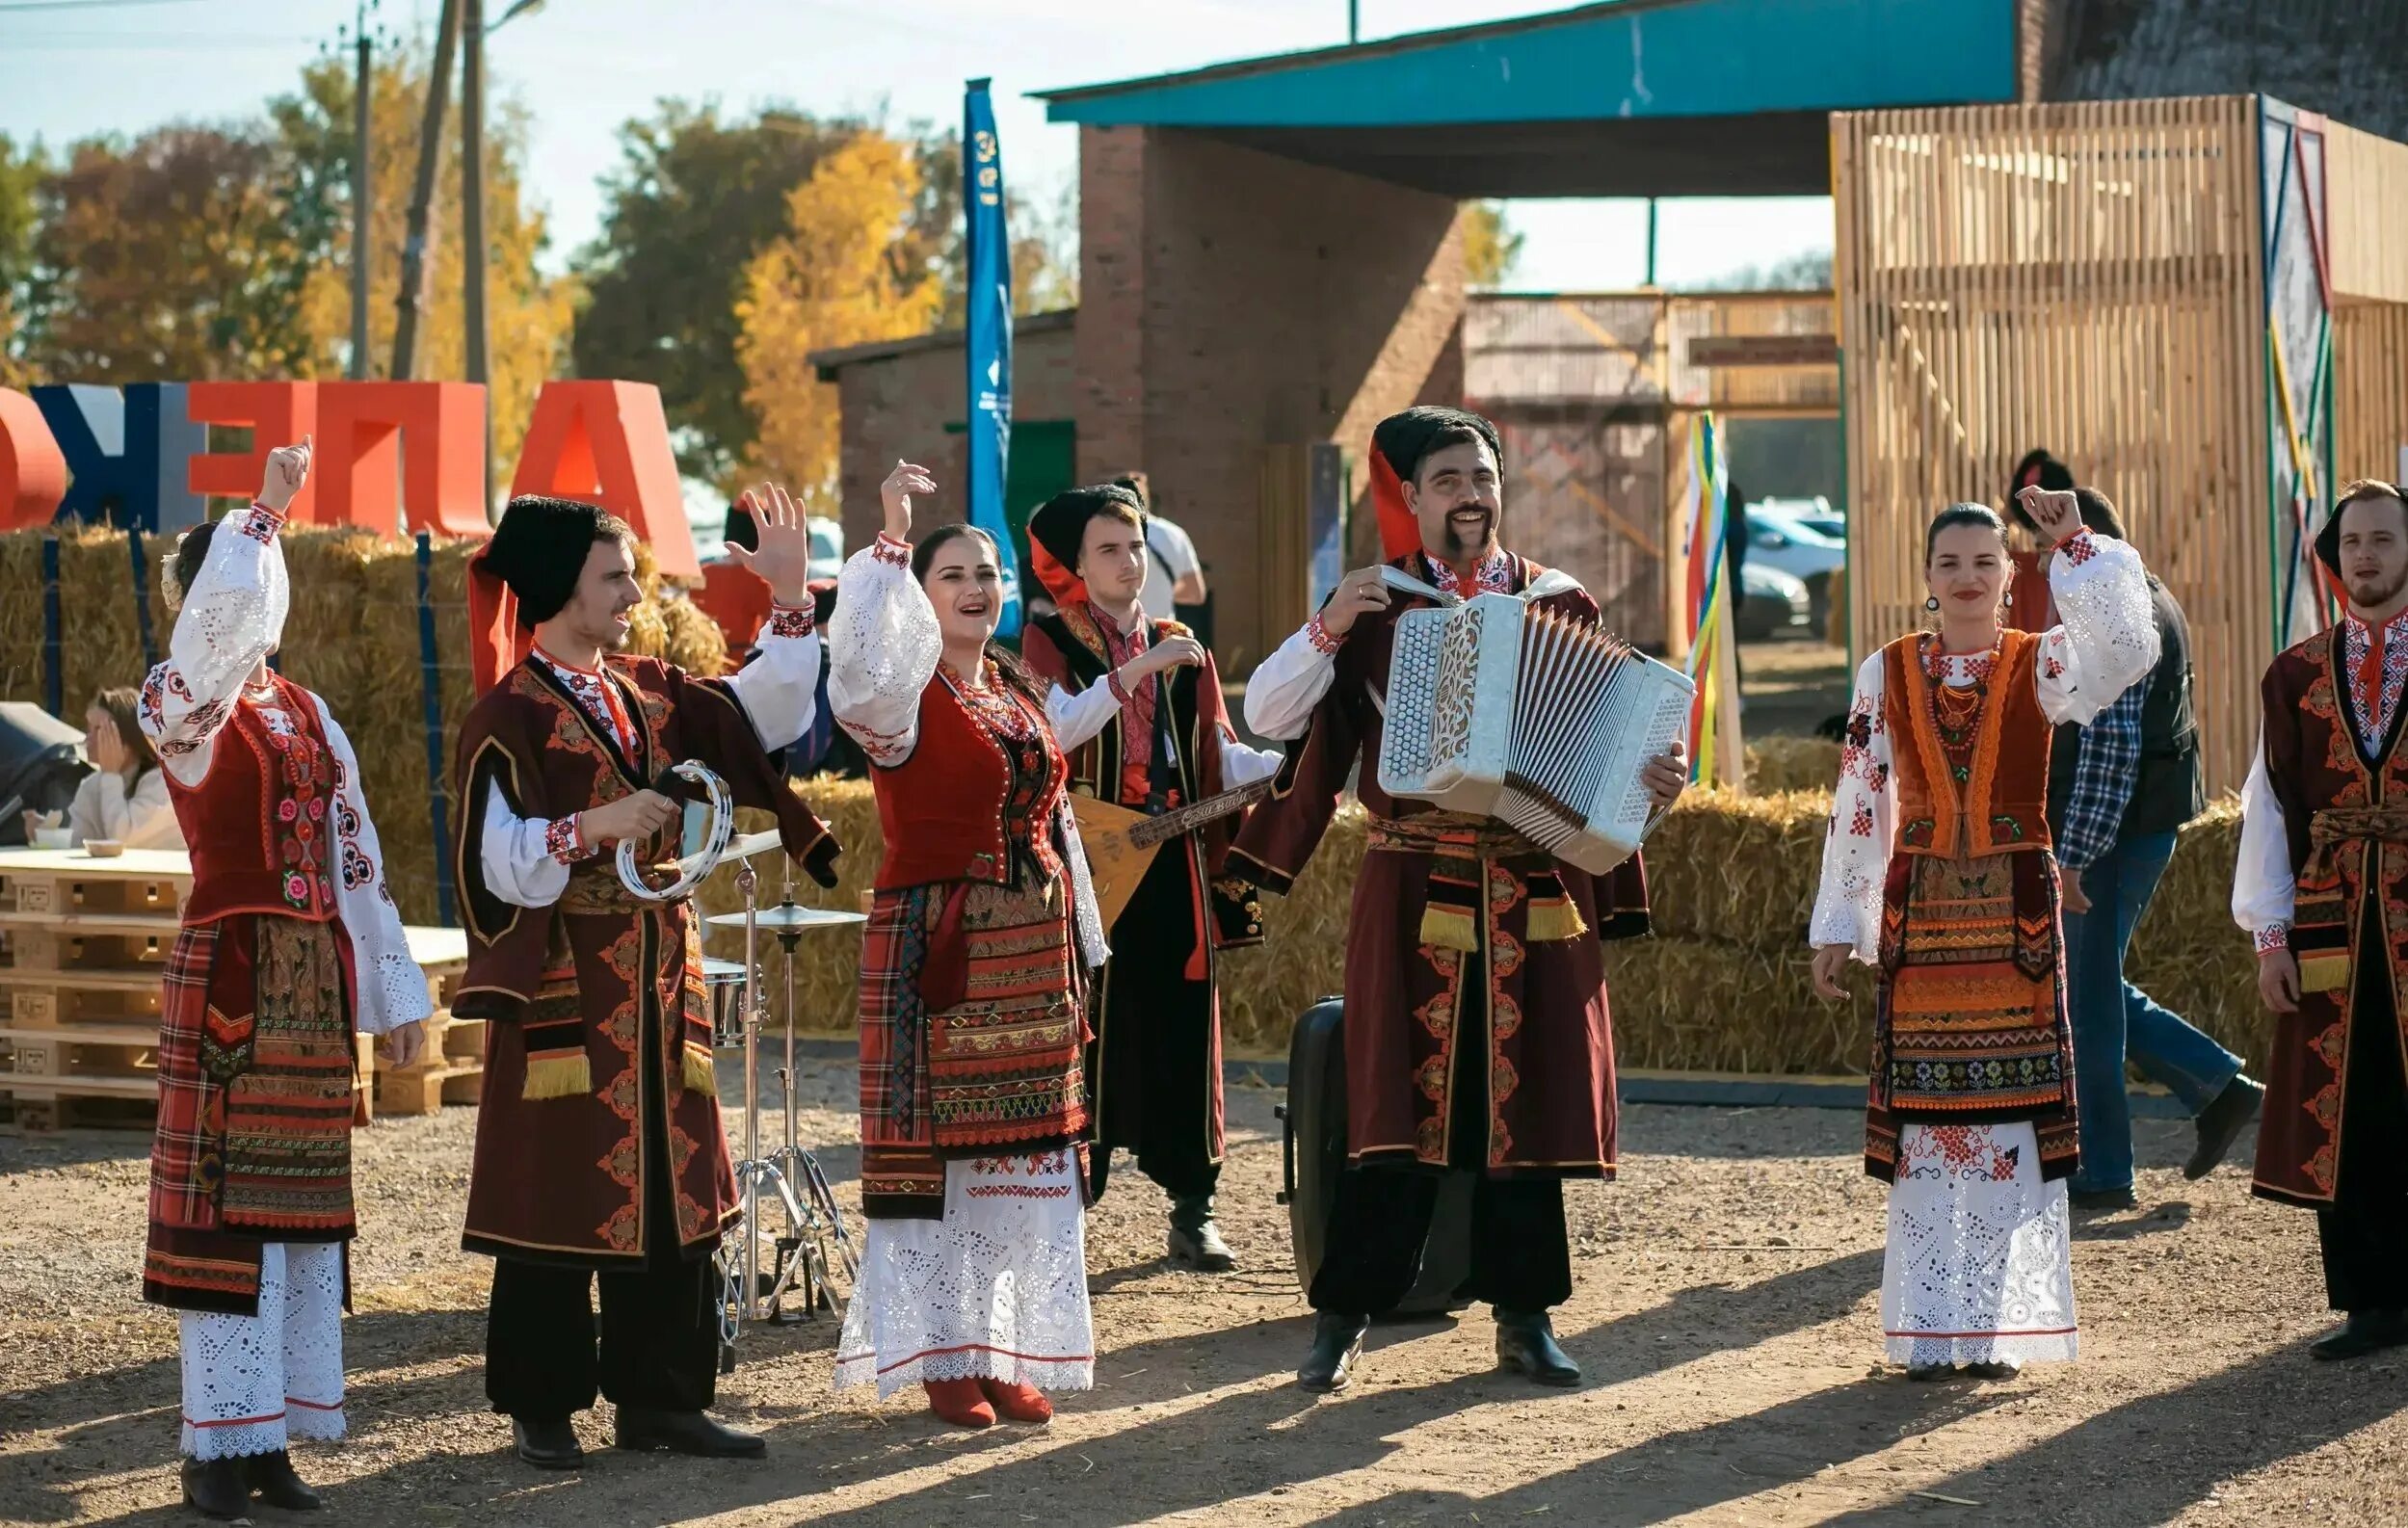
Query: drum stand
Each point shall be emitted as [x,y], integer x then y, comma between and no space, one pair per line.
[789,1175]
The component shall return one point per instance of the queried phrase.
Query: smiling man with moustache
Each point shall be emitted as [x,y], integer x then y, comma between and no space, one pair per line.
[599,1146]
[2320,882]
[1476,1033]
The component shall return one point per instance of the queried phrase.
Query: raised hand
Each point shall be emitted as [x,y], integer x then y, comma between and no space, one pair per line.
[288,468]
[2054,510]
[895,494]
[1171,653]
[1359,592]
[783,556]
[106,749]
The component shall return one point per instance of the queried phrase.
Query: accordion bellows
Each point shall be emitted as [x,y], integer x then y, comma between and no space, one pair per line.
[1499,708]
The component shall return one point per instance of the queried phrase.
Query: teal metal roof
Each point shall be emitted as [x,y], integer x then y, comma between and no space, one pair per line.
[1624,60]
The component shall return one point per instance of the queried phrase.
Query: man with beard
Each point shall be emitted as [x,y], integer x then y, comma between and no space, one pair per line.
[600,1146]
[2321,881]
[1136,705]
[1476,1033]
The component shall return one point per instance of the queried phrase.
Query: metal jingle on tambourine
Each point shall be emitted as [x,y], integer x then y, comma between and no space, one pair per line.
[695,868]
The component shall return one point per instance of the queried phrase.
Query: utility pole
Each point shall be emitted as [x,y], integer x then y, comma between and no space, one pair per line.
[360,204]
[1651,241]
[473,250]
[1354,22]
[415,244]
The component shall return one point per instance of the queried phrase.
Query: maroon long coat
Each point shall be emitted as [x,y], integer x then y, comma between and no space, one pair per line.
[560,1179]
[1551,1038]
[2314,764]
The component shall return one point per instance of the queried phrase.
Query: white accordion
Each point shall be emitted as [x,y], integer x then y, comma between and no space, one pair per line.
[1498,708]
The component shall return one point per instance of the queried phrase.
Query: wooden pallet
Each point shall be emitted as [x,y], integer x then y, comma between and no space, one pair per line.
[451,1069]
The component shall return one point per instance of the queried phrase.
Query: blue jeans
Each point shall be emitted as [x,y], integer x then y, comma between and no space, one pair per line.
[2114,1020]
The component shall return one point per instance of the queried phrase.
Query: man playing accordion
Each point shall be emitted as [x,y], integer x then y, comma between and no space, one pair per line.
[1476,1033]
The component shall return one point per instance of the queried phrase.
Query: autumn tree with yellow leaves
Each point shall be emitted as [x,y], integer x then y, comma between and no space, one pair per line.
[842,272]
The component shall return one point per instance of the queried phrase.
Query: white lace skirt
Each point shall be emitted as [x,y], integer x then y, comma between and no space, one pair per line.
[996,1289]
[1979,1267]
[251,1384]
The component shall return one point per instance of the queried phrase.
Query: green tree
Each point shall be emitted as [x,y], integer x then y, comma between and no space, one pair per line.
[1490,248]
[1807,272]
[21,177]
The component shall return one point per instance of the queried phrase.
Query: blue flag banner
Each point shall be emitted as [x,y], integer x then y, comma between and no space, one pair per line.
[989,348]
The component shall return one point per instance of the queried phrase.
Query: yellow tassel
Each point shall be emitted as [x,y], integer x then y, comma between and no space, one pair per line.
[1556,919]
[566,1076]
[2324,972]
[1448,927]
[699,1074]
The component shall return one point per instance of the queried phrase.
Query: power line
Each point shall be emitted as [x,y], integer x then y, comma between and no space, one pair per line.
[83,5]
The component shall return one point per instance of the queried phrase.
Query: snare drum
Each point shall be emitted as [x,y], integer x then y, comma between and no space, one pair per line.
[725,982]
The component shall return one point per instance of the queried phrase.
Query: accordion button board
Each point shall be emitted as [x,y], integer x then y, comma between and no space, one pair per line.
[1500,708]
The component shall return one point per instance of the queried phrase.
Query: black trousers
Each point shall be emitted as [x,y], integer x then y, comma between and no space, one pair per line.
[659,1337]
[1380,1217]
[1150,1064]
[2365,1235]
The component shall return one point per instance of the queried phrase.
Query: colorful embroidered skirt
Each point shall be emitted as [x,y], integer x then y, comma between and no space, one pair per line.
[971,1034]
[255,1099]
[1971,1024]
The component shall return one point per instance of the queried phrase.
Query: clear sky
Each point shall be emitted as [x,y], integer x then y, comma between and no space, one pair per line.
[73,68]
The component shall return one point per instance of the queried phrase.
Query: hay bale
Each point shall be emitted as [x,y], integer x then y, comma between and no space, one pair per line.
[1775,764]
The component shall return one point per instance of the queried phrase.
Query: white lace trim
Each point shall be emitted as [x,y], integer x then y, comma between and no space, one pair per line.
[883,646]
[2108,636]
[1979,1265]
[231,618]
[997,1289]
[392,988]
[253,1382]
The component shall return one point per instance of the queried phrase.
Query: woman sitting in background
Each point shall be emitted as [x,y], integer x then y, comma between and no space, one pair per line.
[126,799]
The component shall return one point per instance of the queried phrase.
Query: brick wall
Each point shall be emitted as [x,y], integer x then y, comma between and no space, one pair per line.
[1231,300]
[898,406]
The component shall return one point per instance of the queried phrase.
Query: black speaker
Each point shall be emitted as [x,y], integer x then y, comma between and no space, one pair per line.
[1312,1145]
[41,764]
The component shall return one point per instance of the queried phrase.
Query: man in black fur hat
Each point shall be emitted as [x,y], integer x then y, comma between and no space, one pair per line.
[599,1145]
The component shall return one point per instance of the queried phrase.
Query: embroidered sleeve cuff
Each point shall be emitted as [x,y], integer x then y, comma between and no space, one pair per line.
[565,840]
[1320,637]
[791,621]
[259,523]
[895,554]
[2078,549]
[2274,937]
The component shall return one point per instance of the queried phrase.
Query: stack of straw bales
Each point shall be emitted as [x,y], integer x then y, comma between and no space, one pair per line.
[1722,984]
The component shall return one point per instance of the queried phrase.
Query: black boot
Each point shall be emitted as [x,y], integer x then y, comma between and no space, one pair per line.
[1525,1341]
[547,1442]
[215,1487]
[2367,1332]
[685,1432]
[2220,1123]
[1337,1343]
[2104,1199]
[1194,1239]
[273,1477]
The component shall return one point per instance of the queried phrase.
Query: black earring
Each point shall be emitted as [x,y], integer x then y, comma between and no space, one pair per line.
[1931,601]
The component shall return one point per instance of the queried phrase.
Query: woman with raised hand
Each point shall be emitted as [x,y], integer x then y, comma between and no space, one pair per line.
[982,933]
[1938,871]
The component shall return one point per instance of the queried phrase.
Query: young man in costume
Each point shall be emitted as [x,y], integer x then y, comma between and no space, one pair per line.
[600,1146]
[1478,1037]
[2321,880]
[290,942]
[1136,703]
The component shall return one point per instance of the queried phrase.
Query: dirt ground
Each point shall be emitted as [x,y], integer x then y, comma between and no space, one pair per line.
[1724,1316]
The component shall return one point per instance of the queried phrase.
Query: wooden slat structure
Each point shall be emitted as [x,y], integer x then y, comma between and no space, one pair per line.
[2091,277]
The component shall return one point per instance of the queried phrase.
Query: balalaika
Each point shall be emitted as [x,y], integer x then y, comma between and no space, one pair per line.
[1498,708]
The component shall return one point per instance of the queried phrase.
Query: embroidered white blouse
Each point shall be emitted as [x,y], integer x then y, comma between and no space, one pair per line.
[2108,640]
[2264,893]
[232,618]
[526,859]
[884,644]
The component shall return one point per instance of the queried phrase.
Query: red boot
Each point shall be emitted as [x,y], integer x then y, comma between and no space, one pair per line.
[959,1402]
[1017,1403]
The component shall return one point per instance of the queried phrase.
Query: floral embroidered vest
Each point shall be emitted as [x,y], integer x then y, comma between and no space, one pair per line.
[1994,800]
[956,808]
[260,823]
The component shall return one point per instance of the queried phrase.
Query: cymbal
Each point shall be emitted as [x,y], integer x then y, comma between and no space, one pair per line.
[787,917]
[713,969]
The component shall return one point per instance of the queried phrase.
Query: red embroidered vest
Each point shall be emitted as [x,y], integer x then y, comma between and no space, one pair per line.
[259,824]
[953,810]
[2001,804]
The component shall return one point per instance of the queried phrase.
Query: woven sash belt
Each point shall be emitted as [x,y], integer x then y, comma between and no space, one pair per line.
[2320,926]
[1466,854]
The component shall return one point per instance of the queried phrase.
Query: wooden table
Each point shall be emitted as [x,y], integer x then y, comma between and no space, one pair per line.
[87,939]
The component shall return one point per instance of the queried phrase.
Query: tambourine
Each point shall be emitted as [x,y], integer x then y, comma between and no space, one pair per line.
[695,868]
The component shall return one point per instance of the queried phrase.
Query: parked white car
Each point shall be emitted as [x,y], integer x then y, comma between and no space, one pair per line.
[1775,604]
[1777,541]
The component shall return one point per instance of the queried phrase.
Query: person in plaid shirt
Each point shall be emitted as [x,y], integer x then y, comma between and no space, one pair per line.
[2120,789]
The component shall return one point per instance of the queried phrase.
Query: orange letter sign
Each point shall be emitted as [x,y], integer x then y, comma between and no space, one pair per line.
[33,470]
[279,413]
[433,430]
[608,442]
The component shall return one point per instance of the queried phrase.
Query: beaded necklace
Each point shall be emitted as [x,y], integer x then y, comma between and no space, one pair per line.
[1956,712]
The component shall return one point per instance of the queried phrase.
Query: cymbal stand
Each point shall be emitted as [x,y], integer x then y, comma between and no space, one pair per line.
[740,1268]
